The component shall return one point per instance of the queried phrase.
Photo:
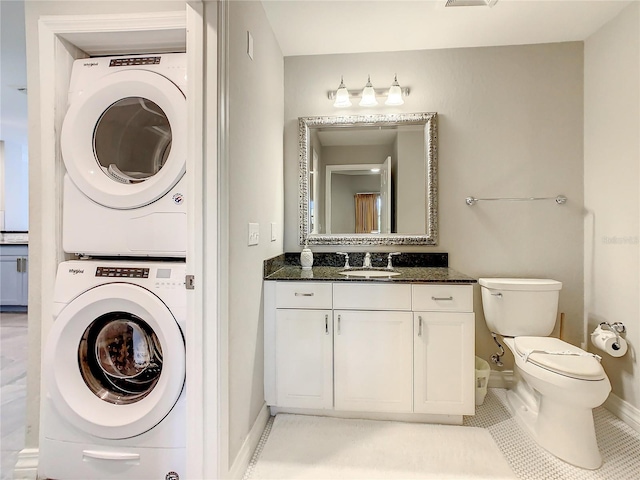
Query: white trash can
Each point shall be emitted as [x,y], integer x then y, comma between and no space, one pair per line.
[483,370]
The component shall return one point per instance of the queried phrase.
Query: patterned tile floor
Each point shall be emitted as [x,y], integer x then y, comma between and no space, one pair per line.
[13,393]
[619,445]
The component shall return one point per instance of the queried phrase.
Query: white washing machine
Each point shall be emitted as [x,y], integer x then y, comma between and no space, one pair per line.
[124,146]
[114,373]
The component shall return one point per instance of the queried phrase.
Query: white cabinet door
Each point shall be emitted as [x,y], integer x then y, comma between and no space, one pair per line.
[373,361]
[444,367]
[304,358]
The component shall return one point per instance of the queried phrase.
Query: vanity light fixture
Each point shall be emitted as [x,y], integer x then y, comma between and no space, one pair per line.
[394,95]
[368,95]
[342,96]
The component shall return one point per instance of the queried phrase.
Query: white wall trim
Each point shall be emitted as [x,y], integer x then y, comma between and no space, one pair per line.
[624,411]
[218,182]
[500,379]
[115,22]
[27,465]
[249,445]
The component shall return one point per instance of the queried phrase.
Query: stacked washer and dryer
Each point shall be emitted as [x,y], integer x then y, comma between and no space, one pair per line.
[114,362]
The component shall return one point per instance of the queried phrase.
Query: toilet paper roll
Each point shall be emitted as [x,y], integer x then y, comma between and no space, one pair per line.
[609,343]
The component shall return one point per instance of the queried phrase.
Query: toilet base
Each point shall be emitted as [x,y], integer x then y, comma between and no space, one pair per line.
[565,431]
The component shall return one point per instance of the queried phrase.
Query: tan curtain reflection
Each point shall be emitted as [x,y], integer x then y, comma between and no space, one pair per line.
[366,212]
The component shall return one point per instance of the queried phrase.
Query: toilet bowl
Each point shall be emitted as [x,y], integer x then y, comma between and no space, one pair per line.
[557,385]
[554,396]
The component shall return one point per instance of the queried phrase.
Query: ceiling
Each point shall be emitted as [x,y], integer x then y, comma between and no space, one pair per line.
[312,27]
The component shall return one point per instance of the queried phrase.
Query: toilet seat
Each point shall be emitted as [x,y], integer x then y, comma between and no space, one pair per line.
[559,357]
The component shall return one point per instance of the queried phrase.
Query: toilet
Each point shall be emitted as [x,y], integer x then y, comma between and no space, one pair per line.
[557,385]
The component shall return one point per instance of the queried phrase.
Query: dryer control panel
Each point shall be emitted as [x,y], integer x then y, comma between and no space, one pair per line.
[132,61]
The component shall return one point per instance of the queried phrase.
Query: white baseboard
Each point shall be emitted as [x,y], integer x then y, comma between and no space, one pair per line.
[27,465]
[624,411]
[500,379]
[249,445]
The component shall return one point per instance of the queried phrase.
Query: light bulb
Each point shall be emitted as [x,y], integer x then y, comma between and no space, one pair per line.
[395,94]
[342,96]
[368,95]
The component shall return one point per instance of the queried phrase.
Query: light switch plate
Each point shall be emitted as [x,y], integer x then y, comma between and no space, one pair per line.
[254,234]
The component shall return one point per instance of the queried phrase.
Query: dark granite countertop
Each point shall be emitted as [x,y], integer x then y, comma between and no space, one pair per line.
[407,275]
[412,268]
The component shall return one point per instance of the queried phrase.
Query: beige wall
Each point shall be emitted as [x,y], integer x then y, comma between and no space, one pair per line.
[510,123]
[255,195]
[612,185]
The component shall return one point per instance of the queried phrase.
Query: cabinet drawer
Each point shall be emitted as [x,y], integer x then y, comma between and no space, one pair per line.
[303,295]
[369,296]
[443,298]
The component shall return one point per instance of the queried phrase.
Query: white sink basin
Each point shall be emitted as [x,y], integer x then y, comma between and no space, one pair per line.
[369,273]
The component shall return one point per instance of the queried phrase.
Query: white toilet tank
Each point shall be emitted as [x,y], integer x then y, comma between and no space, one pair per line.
[520,306]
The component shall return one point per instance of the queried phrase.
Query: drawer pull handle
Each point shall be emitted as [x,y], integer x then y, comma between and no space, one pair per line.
[338,324]
[448,299]
[298,294]
[124,456]
[419,326]
[326,324]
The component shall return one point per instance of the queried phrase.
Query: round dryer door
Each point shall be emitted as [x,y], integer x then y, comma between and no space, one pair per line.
[124,139]
[115,361]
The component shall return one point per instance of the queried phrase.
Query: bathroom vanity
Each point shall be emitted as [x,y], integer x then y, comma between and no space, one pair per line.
[392,347]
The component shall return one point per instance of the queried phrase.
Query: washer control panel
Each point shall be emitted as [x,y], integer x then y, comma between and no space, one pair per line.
[128,272]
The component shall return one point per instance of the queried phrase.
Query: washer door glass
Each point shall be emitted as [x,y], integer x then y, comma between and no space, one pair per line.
[120,358]
[132,140]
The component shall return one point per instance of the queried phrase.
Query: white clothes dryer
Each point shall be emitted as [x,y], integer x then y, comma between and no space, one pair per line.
[124,146]
[114,372]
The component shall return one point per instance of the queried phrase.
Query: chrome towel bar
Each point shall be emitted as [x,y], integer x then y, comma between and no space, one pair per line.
[560,199]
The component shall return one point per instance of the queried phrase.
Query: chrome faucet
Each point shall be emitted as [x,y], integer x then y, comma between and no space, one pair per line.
[367,261]
[346,259]
[389,265]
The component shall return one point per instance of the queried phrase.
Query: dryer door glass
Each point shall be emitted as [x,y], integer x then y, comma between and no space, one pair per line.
[120,358]
[132,140]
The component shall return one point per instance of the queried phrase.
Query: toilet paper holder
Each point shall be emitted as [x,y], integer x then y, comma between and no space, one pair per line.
[616,327]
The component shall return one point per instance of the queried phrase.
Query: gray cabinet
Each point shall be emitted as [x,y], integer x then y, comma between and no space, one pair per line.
[14,277]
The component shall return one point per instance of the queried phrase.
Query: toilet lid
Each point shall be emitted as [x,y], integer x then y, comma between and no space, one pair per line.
[560,357]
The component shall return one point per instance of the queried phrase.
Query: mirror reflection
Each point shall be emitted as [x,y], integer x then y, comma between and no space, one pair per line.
[368,180]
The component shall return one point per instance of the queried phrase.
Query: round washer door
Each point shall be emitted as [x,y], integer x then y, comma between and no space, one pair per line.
[124,140]
[114,363]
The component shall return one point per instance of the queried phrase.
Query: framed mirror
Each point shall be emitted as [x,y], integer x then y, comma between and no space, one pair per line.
[368,180]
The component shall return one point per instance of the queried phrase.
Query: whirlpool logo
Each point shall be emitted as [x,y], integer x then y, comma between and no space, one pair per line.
[90,64]
[76,271]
